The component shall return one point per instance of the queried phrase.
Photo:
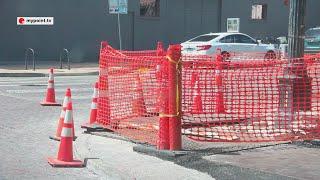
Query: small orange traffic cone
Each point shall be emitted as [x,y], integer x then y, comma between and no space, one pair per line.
[65,153]
[220,107]
[196,96]
[50,99]
[138,103]
[66,100]
[93,125]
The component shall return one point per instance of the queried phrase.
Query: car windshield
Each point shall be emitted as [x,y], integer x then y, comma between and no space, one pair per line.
[203,38]
[313,32]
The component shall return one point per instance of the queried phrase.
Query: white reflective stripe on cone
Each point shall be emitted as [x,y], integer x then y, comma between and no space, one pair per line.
[50,85]
[65,101]
[66,132]
[93,105]
[51,77]
[62,114]
[68,117]
[95,93]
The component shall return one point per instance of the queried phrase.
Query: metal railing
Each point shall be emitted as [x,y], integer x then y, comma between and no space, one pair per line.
[26,56]
[66,53]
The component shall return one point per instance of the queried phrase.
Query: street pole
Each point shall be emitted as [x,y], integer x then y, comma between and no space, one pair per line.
[119,30]
[296,29]
[296,83]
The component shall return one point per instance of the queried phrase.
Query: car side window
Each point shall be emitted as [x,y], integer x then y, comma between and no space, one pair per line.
[227,39]
[244,39]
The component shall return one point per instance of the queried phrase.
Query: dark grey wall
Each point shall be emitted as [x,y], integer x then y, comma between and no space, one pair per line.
[276,23]
[80,25]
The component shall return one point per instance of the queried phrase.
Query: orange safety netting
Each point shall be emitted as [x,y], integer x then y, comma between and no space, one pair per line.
[251,101]
[240,101]
[128,93]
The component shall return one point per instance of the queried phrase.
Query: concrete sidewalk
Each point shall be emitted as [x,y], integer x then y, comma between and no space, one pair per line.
[107,155]
[9,69]
[244,161]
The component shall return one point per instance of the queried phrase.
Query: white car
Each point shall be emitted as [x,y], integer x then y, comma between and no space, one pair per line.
[230,45]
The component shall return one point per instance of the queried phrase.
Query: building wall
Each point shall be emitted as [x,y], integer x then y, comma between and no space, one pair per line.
[276,23]
[80,25]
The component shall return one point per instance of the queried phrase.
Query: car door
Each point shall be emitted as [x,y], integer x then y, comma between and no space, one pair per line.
[245,44]
[226,43]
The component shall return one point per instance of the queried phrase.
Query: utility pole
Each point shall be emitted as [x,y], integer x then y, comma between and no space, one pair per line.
[296,34]
[295,85]
[296,28]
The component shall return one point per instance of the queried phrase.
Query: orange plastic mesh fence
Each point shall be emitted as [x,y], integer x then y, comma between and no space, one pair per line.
[239,101]
[251,101]
[128,93]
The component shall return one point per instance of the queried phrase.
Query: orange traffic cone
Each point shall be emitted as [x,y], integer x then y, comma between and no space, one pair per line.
[138,104]
[93,125]
[197,100]
[66,100]
[50,99]
[65,153]
[220,108]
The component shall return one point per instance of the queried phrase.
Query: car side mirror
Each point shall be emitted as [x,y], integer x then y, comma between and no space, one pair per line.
[258,41]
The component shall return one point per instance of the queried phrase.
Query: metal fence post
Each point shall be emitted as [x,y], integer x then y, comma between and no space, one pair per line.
[66,52]
[26,59]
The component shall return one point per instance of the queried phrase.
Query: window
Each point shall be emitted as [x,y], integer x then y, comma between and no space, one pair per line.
[244,39]
[150,8]
[203,38]
[227,39]
[233,24]
[259,12]
[313,32]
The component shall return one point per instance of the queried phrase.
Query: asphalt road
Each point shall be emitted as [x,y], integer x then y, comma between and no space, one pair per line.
[25,126]
[24,144]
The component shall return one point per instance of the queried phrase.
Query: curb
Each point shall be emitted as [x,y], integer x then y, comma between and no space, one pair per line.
[152,151]
[44,75]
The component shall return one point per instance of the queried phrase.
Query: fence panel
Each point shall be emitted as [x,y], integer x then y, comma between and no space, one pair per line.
[252,100]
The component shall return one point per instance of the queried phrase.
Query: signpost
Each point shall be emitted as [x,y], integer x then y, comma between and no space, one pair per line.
[118,7]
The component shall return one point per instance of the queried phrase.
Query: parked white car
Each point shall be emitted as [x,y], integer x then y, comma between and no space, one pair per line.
[230,44]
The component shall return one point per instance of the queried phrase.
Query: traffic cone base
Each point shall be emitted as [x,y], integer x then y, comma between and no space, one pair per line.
[49,104]
[57,163]
[59,138]
[65,152]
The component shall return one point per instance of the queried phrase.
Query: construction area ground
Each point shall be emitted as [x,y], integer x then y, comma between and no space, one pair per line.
[25,128]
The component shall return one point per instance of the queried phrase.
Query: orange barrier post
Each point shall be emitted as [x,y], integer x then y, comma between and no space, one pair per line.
[163,133]
[138,103]
[174,74]
[50,99]
[66,100]
[196,96]
[103,113]
[219,96]
[92,125]
[65,153]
